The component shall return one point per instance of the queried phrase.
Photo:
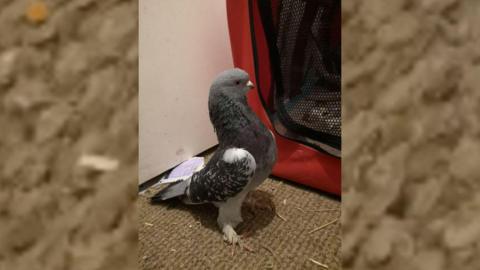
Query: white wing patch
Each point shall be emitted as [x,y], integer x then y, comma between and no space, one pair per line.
[232,155]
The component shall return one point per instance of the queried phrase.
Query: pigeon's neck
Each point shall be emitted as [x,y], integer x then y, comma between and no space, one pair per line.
[229,116]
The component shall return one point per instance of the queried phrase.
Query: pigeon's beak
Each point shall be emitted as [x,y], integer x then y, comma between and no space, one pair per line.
[250,85]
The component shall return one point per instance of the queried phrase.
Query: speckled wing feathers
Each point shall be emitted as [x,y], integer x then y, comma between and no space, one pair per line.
[223,179]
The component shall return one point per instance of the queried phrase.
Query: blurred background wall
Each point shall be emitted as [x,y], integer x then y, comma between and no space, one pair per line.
[68,139]
[411,126]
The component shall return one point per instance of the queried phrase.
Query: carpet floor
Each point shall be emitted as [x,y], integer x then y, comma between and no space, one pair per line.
[283,226]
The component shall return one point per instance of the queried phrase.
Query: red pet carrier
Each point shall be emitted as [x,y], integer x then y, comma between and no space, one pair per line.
[291,49]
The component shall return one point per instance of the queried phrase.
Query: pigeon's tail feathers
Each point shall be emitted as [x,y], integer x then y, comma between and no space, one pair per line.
[175,189]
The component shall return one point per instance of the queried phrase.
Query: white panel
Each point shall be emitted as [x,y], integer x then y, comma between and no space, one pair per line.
[183,45]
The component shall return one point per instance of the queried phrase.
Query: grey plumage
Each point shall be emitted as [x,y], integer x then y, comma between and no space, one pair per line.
[244,158]
[221,180]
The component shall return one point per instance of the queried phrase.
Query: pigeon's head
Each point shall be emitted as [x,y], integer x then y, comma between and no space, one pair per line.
[232,82]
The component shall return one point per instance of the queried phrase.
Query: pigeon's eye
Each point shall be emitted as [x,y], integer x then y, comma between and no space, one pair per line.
[237,82]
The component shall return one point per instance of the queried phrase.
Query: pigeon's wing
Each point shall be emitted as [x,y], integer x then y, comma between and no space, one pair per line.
[223,178]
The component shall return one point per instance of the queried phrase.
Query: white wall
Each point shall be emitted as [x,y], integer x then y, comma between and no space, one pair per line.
[183,45]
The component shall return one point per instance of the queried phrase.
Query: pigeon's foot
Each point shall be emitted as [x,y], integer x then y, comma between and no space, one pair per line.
[229,235]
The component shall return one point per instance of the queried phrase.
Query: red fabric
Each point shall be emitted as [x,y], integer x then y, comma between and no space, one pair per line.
[295,161]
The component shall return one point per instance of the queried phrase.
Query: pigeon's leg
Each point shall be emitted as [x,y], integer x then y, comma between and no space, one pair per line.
[229,216]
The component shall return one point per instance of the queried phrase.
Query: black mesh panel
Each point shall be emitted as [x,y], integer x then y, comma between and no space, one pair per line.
[306,65]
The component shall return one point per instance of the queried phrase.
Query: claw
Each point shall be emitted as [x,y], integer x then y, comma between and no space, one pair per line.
[246,247]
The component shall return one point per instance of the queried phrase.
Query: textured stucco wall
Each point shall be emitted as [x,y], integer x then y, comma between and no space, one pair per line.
[68,88]
[411,126]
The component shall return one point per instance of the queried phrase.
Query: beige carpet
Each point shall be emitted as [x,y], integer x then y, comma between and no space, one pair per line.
[68,92]
[411,135]
[177,236]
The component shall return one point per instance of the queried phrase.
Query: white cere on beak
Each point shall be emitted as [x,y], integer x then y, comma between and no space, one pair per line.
[250,84]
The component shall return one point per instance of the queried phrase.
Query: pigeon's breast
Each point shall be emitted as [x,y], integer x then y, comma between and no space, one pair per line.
[261,144]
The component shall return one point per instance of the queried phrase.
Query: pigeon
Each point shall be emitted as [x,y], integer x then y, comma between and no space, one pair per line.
[244,158]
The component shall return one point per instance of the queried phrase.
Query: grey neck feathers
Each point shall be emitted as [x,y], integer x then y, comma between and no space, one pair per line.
[229,116]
